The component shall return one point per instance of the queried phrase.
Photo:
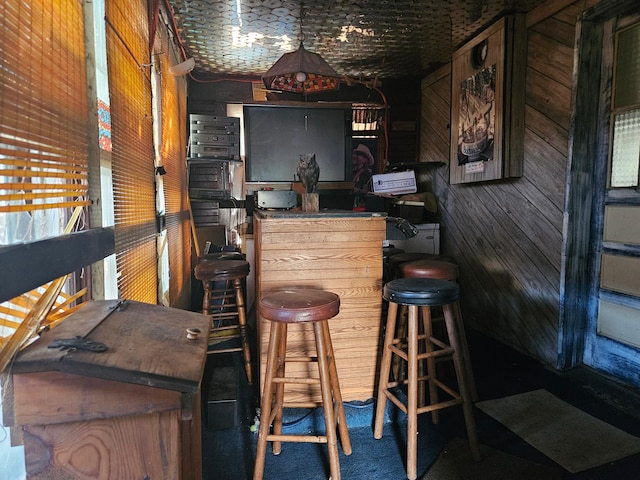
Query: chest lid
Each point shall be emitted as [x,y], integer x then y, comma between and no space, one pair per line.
[145,344]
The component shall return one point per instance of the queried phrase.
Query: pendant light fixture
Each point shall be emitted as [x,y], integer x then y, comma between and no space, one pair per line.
[301,71]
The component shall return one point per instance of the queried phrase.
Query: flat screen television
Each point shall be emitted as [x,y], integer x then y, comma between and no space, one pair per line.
[276,136]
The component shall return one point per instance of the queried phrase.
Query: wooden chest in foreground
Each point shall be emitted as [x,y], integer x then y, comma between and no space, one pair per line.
[132,411]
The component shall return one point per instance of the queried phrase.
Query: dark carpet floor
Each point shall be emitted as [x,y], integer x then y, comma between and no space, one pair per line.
[229,442]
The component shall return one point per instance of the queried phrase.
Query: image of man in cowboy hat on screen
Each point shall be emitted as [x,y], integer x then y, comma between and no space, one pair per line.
[363,162]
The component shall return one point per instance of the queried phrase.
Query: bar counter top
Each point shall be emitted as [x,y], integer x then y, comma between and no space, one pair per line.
[323,213]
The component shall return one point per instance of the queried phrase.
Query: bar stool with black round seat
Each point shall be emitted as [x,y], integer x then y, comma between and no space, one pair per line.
[419,295]
[297,306]
[445,270]
[223,301]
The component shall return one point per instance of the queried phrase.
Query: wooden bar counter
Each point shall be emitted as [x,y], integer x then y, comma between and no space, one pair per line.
[339,251]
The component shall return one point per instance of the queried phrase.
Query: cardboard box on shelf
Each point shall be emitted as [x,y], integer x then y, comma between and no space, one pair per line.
[395,183]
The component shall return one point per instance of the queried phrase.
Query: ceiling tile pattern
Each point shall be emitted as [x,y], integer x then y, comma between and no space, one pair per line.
[364,39]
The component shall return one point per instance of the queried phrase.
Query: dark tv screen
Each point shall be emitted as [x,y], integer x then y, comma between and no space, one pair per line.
[276,136]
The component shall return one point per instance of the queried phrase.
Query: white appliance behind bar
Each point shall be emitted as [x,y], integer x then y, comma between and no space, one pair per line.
[426,241]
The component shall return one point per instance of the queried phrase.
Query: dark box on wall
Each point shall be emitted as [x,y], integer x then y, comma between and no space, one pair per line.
[205,213]
[211,123]
[230,139]
[276,199]
[209,179]
[207,150]
[214,137]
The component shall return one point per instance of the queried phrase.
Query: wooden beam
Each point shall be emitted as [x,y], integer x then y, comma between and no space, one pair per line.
[29,265]
[577,242]
[547,10]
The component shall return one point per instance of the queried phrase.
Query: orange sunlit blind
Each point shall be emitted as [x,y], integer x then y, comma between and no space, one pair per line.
[43,105]
[132,154]
[172,151]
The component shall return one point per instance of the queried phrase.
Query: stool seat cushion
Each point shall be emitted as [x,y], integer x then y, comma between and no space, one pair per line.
[299,305]
[421,291]
[206,257]
[221,269]
[399,258]
[430,269]
[395,260]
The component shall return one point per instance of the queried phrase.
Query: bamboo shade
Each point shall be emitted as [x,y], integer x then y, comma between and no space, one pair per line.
[43,139]
[132,156]
[24,322]
[43,105]
[172,152]
[15,310]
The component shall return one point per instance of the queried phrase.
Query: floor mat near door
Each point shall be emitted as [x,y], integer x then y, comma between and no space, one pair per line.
[570,437]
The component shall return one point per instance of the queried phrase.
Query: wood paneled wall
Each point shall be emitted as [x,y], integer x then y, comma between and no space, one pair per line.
[507,235]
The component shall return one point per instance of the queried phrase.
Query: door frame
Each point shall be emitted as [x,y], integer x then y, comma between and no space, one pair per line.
[587,166]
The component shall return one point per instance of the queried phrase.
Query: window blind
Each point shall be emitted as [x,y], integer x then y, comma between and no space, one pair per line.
[43,108]
[173,150]
[135,228]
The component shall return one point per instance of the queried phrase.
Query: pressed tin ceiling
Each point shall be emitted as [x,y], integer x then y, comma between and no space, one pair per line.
[366,39]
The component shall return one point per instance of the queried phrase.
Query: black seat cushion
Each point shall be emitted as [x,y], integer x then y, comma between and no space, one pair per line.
[421,291]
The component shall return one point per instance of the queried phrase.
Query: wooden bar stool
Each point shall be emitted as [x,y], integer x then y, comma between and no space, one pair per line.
[396,260]
[223,301]
[296,306]
[419,295]
[445,271]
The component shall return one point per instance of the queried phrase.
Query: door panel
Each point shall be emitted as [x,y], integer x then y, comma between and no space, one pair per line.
[612,342]
[619,322]
[622,224]
[620,273]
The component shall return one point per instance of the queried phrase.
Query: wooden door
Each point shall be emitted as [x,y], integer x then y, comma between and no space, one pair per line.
[612,340]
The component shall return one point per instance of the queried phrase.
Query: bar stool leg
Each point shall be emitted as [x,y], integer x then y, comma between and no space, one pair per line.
[327,401]
[337,395]
[412,394]
[385,366]
[242,325]
[281,361]
[467,405]
[398,367]
[267,399]
[206,299]
[422,376]
[431,362]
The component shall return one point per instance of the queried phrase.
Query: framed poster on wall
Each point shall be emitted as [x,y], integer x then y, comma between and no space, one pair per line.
[487,104]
